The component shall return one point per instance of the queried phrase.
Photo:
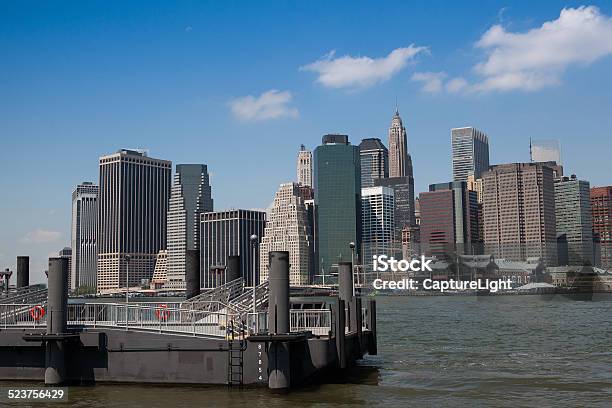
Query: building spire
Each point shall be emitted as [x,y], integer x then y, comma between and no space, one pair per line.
[396,107]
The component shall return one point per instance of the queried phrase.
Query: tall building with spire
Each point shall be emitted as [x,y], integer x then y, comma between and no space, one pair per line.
[190,197]
[400,162]
[304,167]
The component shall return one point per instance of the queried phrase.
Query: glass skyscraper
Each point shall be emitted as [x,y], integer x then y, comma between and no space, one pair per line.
[374,161]
[337,182]
[470,153]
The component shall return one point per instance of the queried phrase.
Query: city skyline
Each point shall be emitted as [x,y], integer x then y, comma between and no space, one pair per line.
[572,110]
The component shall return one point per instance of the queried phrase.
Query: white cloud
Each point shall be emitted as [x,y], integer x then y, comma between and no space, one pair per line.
[41,236]
[272,104]
[456,85]
[361,72]
[432,81]
[538,58]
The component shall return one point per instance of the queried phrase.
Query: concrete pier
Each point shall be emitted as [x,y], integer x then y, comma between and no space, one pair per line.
[23,271]
[57,306]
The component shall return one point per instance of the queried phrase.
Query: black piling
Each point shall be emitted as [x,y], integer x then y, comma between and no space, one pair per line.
[233,268]
[23,271]
[278,321]
[57,307]
[192,273]
[346,292]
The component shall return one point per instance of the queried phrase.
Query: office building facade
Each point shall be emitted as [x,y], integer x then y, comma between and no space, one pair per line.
[470,153]
[574,222]
[133,200]
[337,179]
[191,196]
[519,212]
[378,224]
[601,207]
[83,236]
[374,161]
[288,229]
[304,167]
[226,233]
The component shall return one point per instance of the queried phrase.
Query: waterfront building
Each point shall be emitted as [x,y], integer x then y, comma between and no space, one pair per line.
[601,207]
[374,161]
[190,197]
[304,167]
[519,212]
[225,233]
[83,236]
[400,162]
[470,153]
[133,201]
[337,178]
[378,224]
[574,222]
[287,229]
[449,220]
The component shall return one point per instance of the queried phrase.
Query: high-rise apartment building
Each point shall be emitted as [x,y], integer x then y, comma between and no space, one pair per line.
[83,236]
[400,162]
[378,224]
[449,220]
[601,207]
[190,197]
[374,161]
[133,201]
[288,229]
[226,233]
[470,154]
[337,179]
[304,167]
[574,221]
[519,212]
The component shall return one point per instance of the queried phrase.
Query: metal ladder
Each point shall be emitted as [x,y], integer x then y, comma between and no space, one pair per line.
[235,358]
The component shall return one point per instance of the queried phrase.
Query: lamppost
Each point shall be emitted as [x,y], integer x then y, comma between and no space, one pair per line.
[352,246]
[254,238]
[127,277]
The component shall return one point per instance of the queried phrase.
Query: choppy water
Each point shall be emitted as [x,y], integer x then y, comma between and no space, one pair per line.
[439,351]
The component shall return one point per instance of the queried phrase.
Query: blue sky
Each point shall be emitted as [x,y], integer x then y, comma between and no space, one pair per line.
[240,85]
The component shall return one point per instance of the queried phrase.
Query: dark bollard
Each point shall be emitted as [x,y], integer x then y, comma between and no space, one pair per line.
[373,347]
[345,292]
[233,268]
[339,333]
[57,306]
[23,271]
[192,273]
[278,321]
[278,298]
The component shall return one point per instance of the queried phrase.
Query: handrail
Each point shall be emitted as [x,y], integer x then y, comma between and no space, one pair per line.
[319,322]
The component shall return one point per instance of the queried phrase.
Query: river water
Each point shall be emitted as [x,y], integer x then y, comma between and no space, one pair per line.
[438,351]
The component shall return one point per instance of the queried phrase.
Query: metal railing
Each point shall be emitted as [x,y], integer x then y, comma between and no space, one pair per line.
[319,322]
[22,315]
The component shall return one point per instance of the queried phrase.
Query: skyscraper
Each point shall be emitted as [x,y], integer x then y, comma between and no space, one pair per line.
[304,167]
[288,229]
[225,233]
[337,179]
[374,161]
[601,207]
[400,162]
[519,212]
[574,221]
[66,252]
[470,153]
[84,235]
[449,219]
[132,213]
[403,199]
[378,224]
[190,197]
